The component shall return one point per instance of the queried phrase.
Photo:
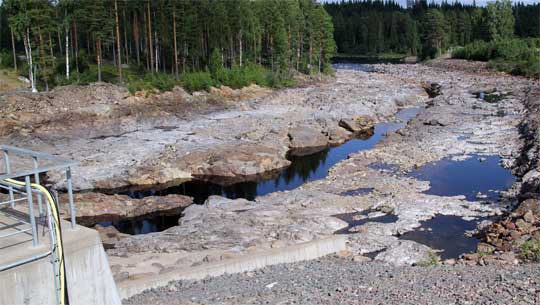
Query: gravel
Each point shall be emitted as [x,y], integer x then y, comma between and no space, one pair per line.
[334,280]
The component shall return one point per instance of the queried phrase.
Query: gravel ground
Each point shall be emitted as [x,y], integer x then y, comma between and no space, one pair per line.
[333,280]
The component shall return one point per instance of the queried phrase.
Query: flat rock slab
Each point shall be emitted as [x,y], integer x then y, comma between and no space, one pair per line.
[305,141]
[94,207]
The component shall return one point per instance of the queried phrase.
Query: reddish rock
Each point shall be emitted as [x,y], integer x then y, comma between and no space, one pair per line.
[97,205]
[532,205]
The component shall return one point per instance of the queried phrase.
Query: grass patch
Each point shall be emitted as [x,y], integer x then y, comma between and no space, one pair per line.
[531,249]
[9,80]
[433,259]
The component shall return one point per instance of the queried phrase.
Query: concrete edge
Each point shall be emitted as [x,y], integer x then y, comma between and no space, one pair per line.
[294,253]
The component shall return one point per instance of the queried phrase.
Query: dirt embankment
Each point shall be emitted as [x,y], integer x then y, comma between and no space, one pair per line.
[102,109]
[519,232]
[528,164]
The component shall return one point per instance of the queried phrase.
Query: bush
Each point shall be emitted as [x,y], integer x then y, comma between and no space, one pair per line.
[516,56]
[196,81]
[6,59]
[531,249]
[238,77]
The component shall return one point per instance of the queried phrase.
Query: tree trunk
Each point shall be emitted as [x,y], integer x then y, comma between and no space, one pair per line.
[156,47]
[126,55]
[75,40]
[240,53]
[28,51]
[118,46]
[175,47]
[98,57]
[320,54]
[310,53]
[136,37]
[50,46]
[150,46]
[13,48]
[298,43]
[184,57]
[58,36]
[147,57]
[67,52]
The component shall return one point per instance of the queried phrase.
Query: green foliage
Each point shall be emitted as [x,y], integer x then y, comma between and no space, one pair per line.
[374,27]
[434,34]
[196,81]
[432,260]
[238,77]
[516,56]
[531,249]
[500,20]
[6,59]
[183,37]
[151,82]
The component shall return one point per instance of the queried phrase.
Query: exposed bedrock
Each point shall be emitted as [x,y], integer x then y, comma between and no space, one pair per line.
[467,126]
[95,207]
[122,140]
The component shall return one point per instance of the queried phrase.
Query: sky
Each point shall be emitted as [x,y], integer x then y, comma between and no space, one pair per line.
[478,2]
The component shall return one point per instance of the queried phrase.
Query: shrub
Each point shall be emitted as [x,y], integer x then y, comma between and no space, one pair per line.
[6,59]
[238,77]
[516,56]
[531,249]
[195,81]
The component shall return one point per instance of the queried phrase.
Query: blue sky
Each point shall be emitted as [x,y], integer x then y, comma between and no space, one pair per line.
[478,2]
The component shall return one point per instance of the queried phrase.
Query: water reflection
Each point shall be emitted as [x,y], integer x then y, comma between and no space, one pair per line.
[477,177]
[302,169]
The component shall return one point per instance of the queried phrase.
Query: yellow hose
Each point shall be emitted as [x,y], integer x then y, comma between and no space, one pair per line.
[57,230]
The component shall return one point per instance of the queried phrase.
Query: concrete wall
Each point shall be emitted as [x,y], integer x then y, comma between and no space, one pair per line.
[299,252]
[89,278]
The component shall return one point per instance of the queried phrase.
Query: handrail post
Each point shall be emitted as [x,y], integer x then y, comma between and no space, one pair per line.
[31,210]
[70,196]
[8,171]
[36,179]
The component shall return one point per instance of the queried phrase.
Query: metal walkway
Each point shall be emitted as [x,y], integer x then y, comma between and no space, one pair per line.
[29,211]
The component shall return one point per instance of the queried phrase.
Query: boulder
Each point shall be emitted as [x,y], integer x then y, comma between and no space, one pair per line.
[305,140]
[532,205]
[432,89]
[405,252]
[359,124]
[92,207]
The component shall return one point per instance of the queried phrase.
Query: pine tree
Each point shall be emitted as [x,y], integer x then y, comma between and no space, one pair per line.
[500,19]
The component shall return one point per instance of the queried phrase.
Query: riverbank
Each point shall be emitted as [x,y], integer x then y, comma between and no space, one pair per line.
[456,126]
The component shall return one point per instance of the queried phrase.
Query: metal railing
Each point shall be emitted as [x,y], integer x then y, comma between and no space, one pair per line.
[40,163]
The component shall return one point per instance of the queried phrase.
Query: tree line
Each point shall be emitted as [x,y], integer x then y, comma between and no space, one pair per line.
[375,27]
[58,40]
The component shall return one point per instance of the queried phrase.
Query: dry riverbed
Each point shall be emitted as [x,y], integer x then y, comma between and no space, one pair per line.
[377,197]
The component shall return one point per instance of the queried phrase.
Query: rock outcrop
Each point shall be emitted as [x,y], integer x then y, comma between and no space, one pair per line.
[95,207]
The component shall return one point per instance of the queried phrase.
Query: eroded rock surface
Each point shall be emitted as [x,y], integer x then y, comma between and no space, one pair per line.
[455,124]
[176,136]
[94,207]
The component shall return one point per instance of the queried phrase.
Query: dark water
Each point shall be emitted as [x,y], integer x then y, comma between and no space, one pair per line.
[353,221]
[493,97]
[446,233]
[303,169]
[144,224]
[482,174]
